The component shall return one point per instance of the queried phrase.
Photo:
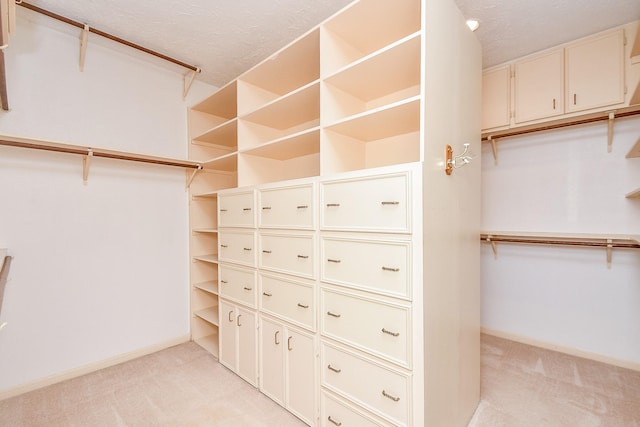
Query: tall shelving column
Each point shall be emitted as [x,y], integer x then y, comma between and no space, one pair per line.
[279,115]
[213,128]
[370,96]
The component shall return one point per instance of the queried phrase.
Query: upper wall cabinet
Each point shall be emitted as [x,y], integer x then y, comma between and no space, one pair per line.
[496,97]
[539,86]
[595,72]
[584,76]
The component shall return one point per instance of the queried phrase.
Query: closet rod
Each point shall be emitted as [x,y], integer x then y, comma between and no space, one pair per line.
[615,242]
[95,152]
[108,36]
[597,117]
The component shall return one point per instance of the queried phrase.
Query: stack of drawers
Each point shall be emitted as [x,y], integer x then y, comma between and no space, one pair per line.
[366,300]
[287,262]
[317,284]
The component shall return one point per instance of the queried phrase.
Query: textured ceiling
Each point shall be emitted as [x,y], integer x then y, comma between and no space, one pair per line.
[227,37]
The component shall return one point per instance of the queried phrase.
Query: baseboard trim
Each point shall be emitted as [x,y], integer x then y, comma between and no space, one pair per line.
[92,367]
[563,349]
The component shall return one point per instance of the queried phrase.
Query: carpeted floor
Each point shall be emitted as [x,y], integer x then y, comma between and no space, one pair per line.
[522,386]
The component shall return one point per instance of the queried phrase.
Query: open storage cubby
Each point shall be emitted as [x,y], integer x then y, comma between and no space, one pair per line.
[293,67]
[364,28]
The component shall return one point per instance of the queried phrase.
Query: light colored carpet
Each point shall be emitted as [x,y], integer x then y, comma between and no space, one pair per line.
[522,386]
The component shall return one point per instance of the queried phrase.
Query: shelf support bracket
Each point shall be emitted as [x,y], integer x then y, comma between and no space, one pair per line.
[193,175]
[609,251]
[494,246]
[610,131]
[86,163]
[494,149]
[84,35]
[186,85]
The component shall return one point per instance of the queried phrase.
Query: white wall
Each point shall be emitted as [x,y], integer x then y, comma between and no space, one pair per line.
[564,181]
[99,270]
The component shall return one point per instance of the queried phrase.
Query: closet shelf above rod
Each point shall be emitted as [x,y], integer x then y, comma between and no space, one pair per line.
[609,116]
[89,152]
[608,242]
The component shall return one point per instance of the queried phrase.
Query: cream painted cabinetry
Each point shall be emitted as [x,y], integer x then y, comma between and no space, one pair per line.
[238,340]
[539,86]
[316,165]
[496,97]
[288,367]
[595,70]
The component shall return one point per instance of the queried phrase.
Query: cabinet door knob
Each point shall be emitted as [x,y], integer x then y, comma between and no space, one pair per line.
[331,368]
[333,205]
[554,103]
[338,423]
[224,246]
[336,261]
[266,208]
[387,395]
[246,209]
[223,210]
[247,249]
[333,314]
[266,252]
[575,99]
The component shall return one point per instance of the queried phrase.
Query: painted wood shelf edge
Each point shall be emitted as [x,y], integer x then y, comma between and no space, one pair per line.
[210,286]
[209,314]
[213,259]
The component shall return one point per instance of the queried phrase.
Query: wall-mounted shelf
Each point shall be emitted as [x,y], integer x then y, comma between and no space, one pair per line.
[212,259]
[210,286]
[607,242]
[209,314]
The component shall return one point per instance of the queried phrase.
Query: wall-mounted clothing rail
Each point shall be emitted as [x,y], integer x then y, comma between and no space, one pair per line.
[586,240]
[609,116]
[107,35]
[90,152]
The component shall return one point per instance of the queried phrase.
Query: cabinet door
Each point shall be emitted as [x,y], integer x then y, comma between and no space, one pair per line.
[496,97]
[247,345]
[595,72]
[301,375]
[273,342]
[539,86]
[227,333]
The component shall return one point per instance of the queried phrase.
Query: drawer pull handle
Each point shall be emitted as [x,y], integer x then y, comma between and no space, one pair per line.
[390,203]
[247,289]
[303,306]
[264,208]
[331,368]
[302,207]
[333,314]
[266,294]
[247,249]
[223,210]
[337,423]
[390,269]
[246,209]
[303,256]
[394,334]
[223,281]
[385,394]
[275,338]
[289,344]
[266,252]
[333,205]
[230,313]
[238,319]
[224,246]
[337,261]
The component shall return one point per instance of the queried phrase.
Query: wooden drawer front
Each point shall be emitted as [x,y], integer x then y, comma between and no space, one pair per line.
[289,300]
[237,246]
[379,389]
[236,210]
[374,265]
[291,207]
[373,204]
[381,328]
[292,254]
[238,284]
[335,413]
